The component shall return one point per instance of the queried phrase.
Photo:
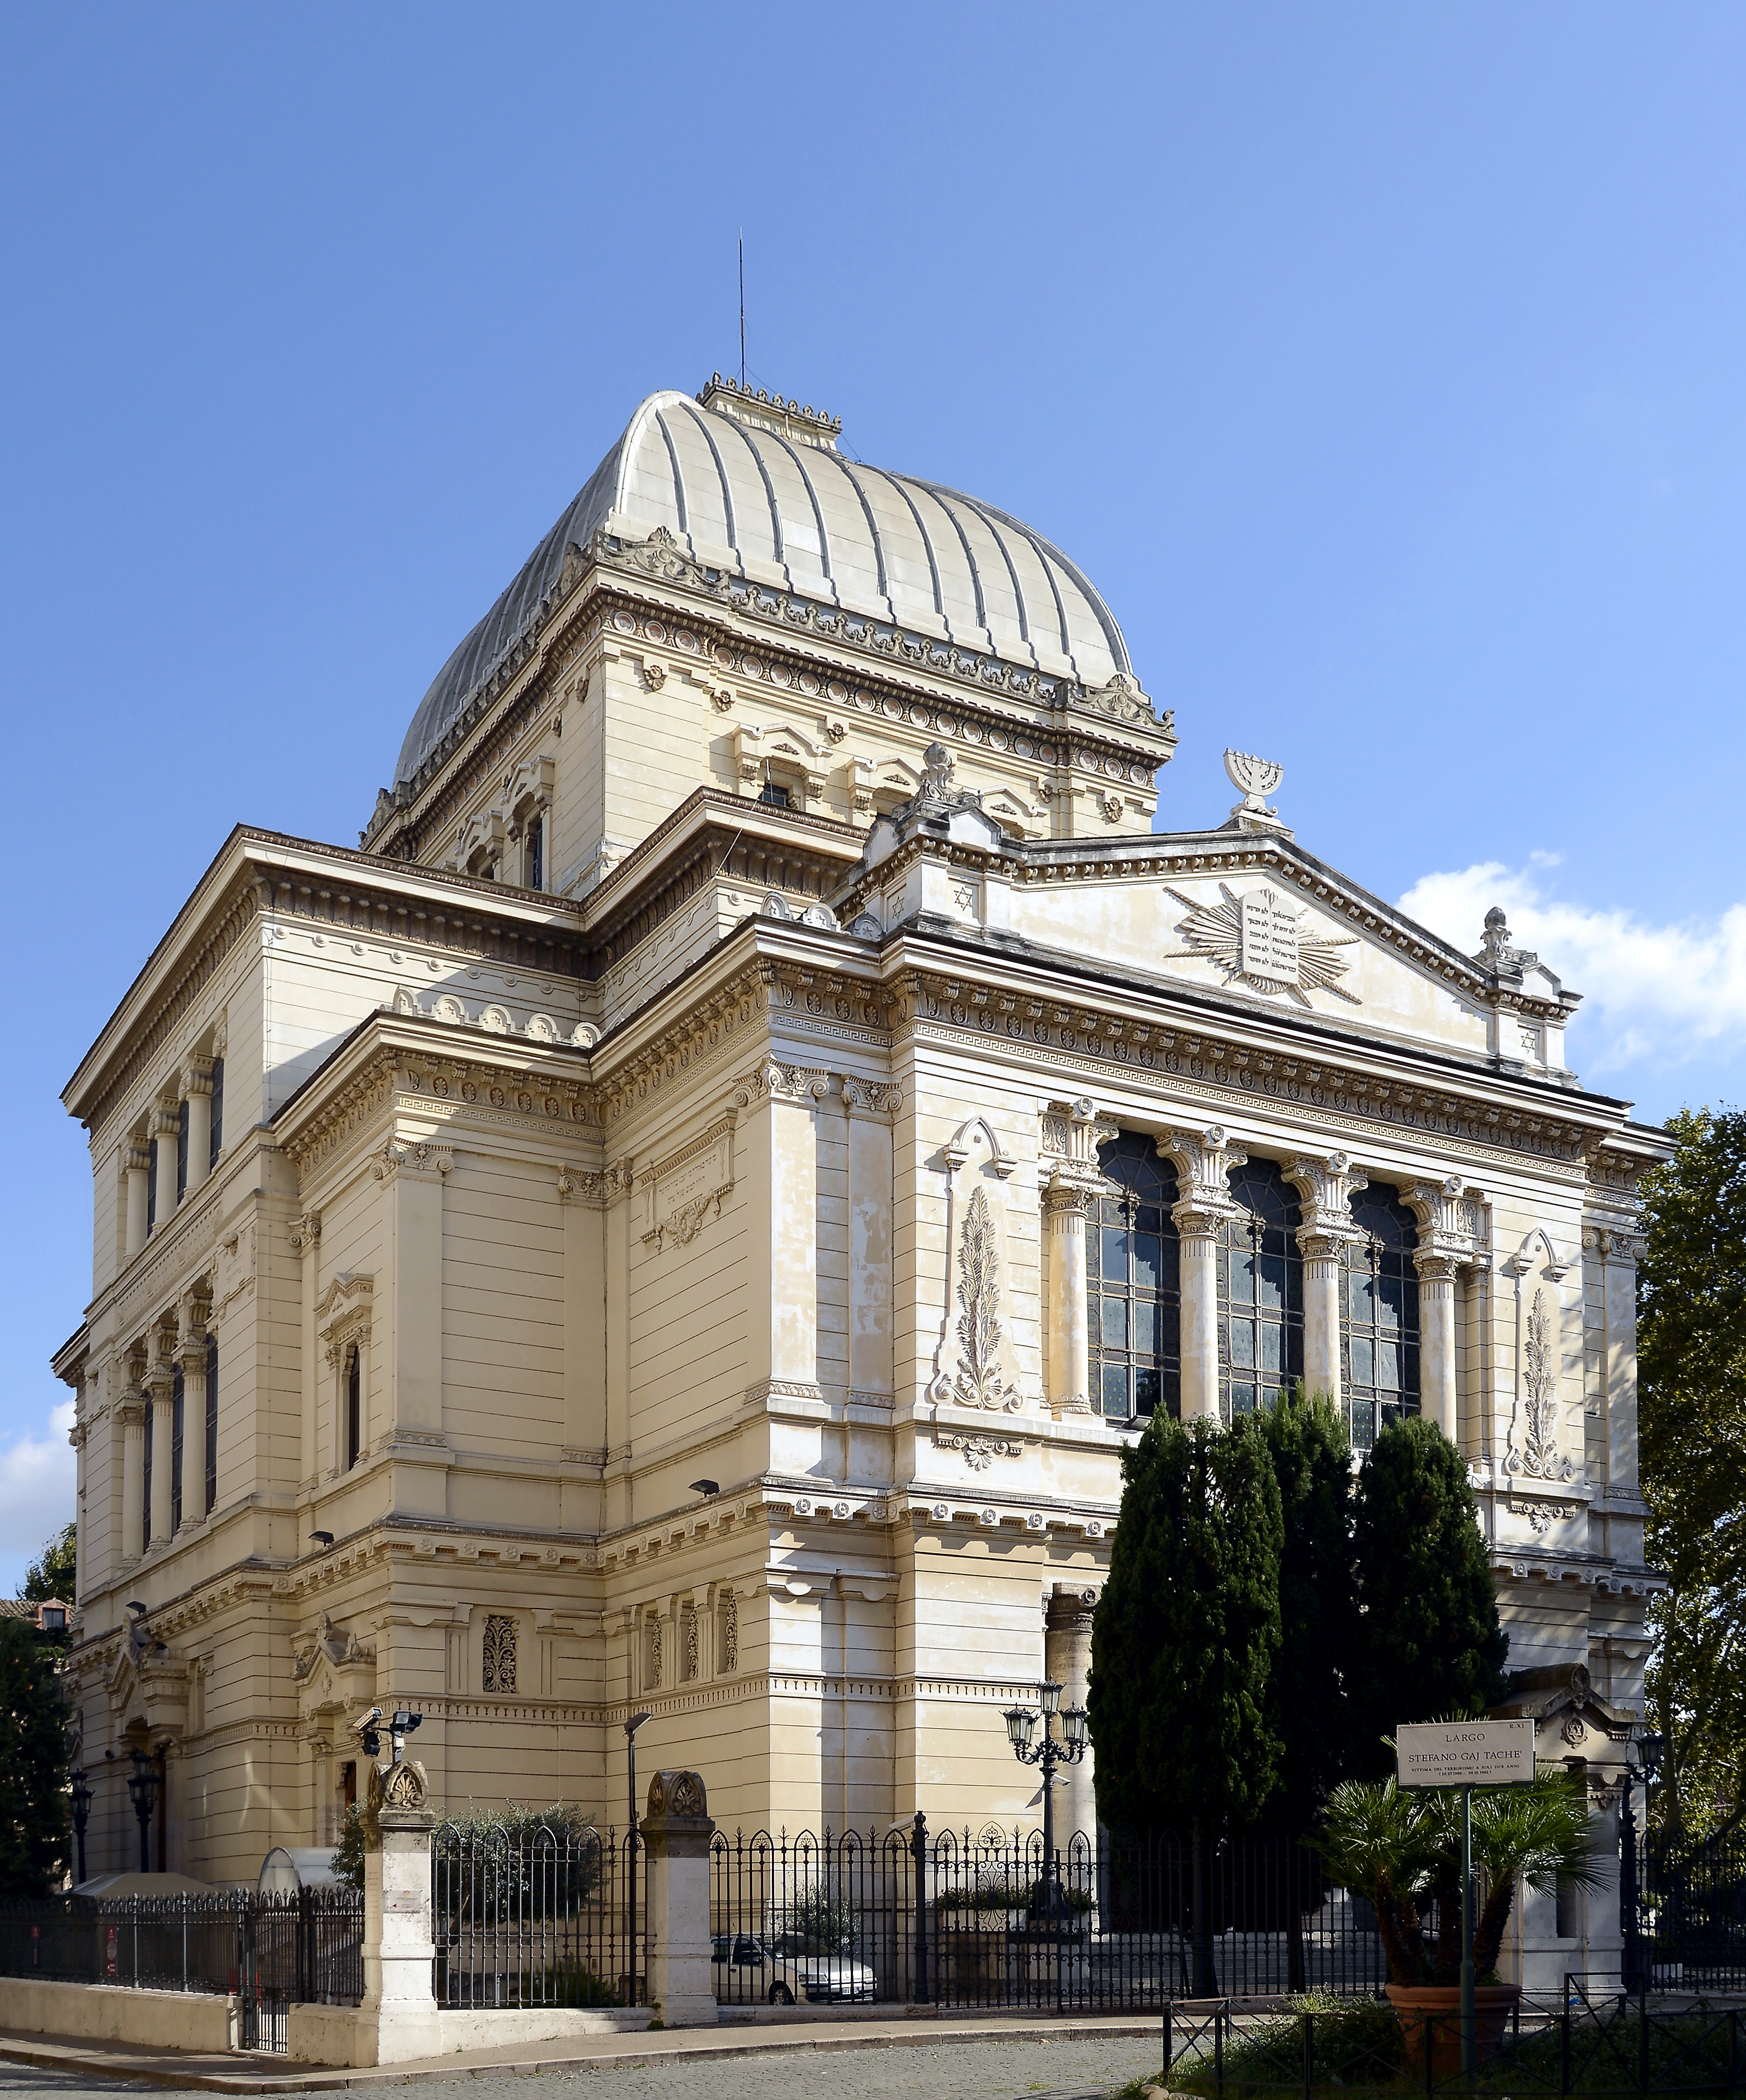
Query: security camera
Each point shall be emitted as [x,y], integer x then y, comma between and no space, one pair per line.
[364,1728]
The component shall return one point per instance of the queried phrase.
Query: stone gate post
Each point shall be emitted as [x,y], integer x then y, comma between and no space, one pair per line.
[399,1948]
[676,1835]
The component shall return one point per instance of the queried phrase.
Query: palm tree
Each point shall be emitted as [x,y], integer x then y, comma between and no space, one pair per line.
[1403,1851]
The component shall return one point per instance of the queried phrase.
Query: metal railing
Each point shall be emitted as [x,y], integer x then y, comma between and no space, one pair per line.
[963,1919]
[534,1917]
[269,1951]
[1690,1914]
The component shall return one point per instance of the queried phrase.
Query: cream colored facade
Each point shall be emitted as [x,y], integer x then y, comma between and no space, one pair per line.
[611,1126]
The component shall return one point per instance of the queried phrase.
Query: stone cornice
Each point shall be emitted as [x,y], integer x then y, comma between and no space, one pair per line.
[613,590]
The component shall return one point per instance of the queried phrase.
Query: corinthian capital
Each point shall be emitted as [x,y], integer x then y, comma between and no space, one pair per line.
[1203,1160]
[1325,1182]
[1450,1216]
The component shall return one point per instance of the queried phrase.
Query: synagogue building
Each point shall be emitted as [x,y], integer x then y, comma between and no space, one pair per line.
[686,1214]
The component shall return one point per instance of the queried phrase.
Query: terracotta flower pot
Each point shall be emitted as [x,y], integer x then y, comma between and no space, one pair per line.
[1438,2004]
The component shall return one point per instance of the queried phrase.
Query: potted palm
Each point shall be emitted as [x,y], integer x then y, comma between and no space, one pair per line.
[1402,1851]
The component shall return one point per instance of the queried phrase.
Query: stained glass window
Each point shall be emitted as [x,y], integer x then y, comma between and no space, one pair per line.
[1379,1316]
[1134,1307]
[1260,1292]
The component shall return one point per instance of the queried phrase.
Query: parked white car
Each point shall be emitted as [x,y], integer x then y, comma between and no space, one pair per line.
[748,1970]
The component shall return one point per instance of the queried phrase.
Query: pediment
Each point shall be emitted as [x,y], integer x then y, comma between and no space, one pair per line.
[1270,935]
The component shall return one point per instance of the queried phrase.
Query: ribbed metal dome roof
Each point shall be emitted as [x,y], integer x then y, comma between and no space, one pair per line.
[757,487]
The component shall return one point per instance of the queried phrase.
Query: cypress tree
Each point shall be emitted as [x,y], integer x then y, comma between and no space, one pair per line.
[1308,1703]
[1186,1631]
[1429,1641]
[32,1763]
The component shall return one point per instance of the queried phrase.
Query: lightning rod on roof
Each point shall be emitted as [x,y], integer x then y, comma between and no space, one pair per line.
[743,306]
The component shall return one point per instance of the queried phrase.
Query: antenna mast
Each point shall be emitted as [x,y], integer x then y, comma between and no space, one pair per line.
[742,308]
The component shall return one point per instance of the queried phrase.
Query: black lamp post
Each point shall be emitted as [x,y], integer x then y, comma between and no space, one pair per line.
[142,1789]
[1068,1749]
[1649,1747]
[82,1814]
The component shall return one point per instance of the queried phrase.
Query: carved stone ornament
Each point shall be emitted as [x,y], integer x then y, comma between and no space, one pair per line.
[1260,939]
[677,1794]
[396,1790]
[1534,1455]
[979,1452]
[1254,779]
[978,1380]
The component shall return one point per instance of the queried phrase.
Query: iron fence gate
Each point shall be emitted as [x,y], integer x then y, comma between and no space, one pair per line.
[963,1919]
[1685,1912]
[539,1917]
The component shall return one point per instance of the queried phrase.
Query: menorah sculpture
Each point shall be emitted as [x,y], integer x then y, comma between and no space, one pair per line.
[1254,779]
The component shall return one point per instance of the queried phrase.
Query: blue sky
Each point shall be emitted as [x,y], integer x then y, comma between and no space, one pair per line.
[1382,363]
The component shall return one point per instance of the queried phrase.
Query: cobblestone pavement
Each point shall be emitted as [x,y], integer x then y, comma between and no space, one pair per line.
[1028,2067]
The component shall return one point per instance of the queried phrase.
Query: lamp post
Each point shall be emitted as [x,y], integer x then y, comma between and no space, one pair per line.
[1050,1753]
[142,1790]
[1649,1749]
[82,1814]
[631,1727]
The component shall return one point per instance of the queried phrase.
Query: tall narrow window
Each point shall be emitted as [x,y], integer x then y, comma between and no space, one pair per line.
[1134,1307]
[178,1413]
[536,854]
[182,1151]
[145,1524]
[1379,1316]
[774,794]
[354,1407]
[151,1187]
[216,1144]
[1260,1292]
[209,1486]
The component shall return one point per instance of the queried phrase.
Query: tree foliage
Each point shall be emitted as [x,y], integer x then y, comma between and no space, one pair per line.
[1186,1631]
[57,1573]
[1691,1417]
[32,1764]
[1429,1643]
[1307,1706]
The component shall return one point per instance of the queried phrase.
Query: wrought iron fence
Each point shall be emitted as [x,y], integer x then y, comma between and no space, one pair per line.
[1607,2046]
[269,1951]
[540,1917]
[1691,1920]
[963,1918]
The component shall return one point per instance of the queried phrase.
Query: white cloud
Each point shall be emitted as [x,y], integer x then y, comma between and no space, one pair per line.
[1651,993]
[38,1487]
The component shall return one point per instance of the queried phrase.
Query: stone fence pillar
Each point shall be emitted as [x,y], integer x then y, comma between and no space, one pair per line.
[398,1949]
[676,1835]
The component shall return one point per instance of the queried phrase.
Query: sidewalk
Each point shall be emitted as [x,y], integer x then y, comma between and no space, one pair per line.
[255,2073]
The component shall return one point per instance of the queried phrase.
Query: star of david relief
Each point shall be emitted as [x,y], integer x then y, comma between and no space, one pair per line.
[1260,939]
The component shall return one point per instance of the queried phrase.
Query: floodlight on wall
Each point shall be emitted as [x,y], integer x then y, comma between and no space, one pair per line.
[321,1538]
[705,1488]
[136,1606]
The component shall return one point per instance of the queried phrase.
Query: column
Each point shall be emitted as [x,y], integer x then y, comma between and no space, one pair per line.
[1436,1341]
[196,1090]
[1065,1204]
[1074,1184]
[130,1414]
[161,1383]
[1203,1159]
[306,1244]
[781,1150]
[868,1108]
[165,1126]
[1445,1211]
[618,1345]
[1067,1659]
[583,1197]
[1325,1184]
[675,1832]
[137,1165]
[192,1357]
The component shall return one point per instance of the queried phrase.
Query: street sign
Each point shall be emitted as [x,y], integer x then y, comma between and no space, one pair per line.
[1465,1753]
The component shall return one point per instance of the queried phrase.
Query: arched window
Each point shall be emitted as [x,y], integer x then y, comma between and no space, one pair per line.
[536,854]
[354,1407]
[1260,1292]
[1379,1315]
[1135,1302]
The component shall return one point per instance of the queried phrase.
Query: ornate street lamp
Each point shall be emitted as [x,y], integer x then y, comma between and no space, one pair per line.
[1067,1748]
[142,1790]
[82,1814]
